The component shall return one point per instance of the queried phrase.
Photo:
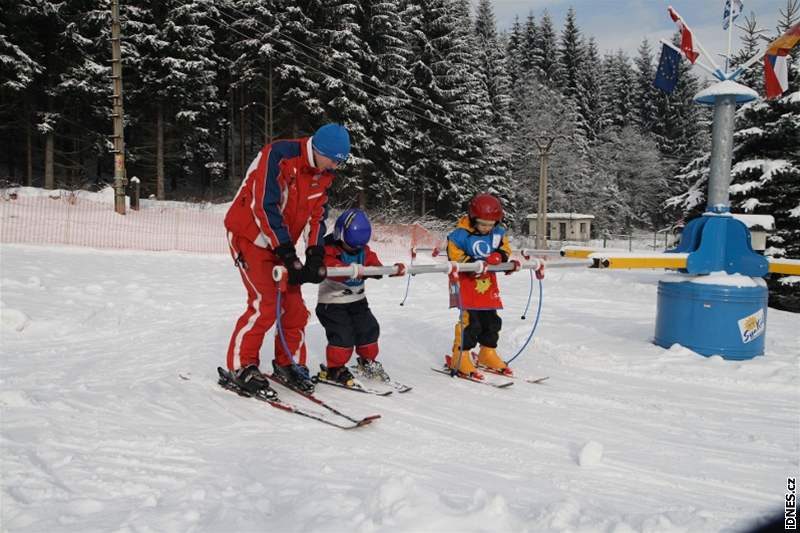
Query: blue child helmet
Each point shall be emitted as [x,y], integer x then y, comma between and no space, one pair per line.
[332,141]
[353,228]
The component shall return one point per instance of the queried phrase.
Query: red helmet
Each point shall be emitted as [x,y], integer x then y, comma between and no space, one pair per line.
[486,207]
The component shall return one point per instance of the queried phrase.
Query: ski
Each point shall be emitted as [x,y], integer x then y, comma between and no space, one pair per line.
[357,387]
[446,372]
[227,382]
[537,381]
[511,376]
[321,403]
[400,388]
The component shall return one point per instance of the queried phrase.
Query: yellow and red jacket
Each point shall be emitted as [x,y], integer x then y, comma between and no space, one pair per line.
[282,194]
[464,245]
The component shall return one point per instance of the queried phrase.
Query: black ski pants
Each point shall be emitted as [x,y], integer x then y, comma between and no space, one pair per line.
[482,327]
[350,324]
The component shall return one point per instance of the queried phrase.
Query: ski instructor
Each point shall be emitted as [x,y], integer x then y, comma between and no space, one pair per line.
[283,195]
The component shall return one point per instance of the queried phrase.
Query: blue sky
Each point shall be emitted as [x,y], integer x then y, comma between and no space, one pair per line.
[624,23]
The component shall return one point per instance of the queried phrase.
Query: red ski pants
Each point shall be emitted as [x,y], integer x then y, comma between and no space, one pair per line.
[255,266]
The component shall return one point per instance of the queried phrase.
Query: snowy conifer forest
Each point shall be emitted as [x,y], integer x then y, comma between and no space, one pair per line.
[440,102]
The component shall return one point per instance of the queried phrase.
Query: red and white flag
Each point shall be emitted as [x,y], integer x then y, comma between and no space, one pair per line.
[776,74]
[687,46]
[776,70]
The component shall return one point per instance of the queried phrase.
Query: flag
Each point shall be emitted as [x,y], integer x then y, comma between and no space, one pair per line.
[785,41]
[776,74]
[667,73]
[686,37]
[776,70]
[727,16]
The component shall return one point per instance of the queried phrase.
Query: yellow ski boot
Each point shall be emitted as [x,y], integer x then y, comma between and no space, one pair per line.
[465,365]
[488,358]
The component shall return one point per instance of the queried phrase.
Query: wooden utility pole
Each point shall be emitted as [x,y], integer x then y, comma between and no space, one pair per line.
[544,147]
[242,106]
[270,132]
[117,113]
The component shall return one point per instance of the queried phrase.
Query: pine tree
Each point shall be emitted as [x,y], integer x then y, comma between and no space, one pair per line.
[446,144]
[571,57]
[514,50]
[591,85]
[545,52]
[342,95]
[645,94]
[497,122]
[173,76]
[618,91]
[248,43]
[19,70]
[492,63]
[21,73]
[383,61]
[301,68]
[50,62]
[528,55]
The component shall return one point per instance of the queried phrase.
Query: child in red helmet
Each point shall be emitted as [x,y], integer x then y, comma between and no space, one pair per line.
[480,236]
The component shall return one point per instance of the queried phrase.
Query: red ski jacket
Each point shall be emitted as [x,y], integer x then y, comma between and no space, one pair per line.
[282,194]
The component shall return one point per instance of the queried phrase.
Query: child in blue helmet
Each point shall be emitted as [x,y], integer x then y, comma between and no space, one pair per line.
[342,306]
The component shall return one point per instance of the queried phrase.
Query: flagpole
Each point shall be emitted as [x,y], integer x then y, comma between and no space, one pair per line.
[699,44]
[730,35]
[698,62]
[749,63]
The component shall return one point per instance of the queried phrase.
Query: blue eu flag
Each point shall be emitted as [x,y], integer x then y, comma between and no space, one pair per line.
[667,74]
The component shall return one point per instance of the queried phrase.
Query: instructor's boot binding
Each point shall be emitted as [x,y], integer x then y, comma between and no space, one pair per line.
[295,376]
[251,380]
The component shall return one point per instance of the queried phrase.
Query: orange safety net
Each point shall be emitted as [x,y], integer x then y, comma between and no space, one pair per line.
[67,218]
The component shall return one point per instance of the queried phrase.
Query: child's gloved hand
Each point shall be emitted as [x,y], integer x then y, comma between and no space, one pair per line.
[314,271]
[494,258]
[540,272]
[517,266]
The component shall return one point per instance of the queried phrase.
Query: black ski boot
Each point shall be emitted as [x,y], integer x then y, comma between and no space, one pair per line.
[295,376]
[251,380]
[339,374]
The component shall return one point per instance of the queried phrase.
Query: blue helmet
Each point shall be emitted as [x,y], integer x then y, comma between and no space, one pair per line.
[353,228]
[332,141]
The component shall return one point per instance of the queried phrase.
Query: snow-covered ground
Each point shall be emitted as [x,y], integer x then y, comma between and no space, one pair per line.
[99,432]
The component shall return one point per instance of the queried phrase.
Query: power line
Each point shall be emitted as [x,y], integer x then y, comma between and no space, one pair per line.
[381,92]
[316,59]
[309,67]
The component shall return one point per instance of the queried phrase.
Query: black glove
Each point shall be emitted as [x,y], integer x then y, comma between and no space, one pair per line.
[292,263]
[503,254]
[314,271]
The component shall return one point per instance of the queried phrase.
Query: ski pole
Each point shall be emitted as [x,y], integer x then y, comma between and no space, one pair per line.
[280,276]
[453,277]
